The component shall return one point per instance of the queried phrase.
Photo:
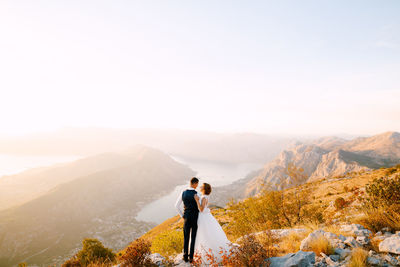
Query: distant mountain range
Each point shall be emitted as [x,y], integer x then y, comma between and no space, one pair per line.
[98,196]
[198,145]
[324,157]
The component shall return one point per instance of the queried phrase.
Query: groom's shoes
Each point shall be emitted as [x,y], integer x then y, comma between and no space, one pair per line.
[185,259]
[191,260]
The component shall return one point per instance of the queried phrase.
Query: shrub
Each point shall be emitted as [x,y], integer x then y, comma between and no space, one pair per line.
[249,253]
[322,244]
[92,252]
[358,258]
[381,206]
[137,254]
[168,243]
[376,219]
[340,203]
[276,209]
[72,262]
[383,191]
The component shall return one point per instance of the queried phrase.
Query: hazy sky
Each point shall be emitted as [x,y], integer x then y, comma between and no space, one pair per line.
[266,66]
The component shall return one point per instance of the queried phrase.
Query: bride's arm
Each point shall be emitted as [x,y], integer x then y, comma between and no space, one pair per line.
[202,204]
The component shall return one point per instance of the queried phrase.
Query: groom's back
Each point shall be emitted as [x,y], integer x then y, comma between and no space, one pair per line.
[189,202]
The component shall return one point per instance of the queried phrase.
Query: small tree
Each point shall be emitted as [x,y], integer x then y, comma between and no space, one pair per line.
[93,251]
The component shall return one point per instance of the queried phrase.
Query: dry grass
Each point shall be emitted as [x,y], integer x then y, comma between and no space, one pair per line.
[374,244]
[291,243]
[358,258]
[322,244]
[375,220]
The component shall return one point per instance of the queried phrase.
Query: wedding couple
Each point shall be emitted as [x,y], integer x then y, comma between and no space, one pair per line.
[200,227]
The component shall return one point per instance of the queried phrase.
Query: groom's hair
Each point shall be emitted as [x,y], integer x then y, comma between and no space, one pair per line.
[194,180]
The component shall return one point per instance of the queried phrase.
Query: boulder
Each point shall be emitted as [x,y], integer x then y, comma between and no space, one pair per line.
[299,259]
[374,261]
[157,259]
[343,253]
[363,240]
[392,260]
[178,260]
[335,258]
[355,229]
[352,242]
[390,244]
[285,232]
[308,241]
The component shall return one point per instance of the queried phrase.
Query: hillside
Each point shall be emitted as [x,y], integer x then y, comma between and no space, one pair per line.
[102,204]
[327,157]
[323,192]
[28,185]
[328,216]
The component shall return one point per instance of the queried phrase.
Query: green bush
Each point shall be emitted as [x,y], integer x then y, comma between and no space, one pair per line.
[272,209]
[381,206]
[168,243]
[93,251]
[383,191]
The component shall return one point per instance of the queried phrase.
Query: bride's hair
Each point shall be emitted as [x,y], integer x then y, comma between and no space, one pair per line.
[206,188]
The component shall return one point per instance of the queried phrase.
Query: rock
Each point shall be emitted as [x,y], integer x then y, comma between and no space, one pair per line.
[392,260]
[343,253]
[335,258]
[285,232]
[390,244]
[299,259]
[308,241]
[329,261]
[157,259]
[350,241]
[355,229]
[178,260]
[374,261]
[363,240]
[387,234]
[329,235]
[342,238]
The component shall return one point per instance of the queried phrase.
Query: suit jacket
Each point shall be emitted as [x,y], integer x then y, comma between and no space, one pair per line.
[189,203]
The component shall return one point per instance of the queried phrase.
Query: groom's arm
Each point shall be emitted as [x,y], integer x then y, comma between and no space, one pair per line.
[178,205]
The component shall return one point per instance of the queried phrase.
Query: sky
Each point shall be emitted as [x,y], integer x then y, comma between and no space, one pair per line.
[294,67]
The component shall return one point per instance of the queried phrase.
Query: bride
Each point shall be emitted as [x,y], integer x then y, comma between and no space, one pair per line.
[210,235]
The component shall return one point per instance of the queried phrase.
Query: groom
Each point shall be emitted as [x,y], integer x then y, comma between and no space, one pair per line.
[190,215]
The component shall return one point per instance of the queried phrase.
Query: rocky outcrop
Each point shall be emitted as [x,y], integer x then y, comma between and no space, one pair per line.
[358,237]
[390,244]
[299,259]
[329,157]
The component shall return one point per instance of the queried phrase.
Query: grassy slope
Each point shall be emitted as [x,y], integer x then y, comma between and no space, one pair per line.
[324,192]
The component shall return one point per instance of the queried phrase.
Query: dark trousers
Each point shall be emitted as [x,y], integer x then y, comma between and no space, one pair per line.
[189,231]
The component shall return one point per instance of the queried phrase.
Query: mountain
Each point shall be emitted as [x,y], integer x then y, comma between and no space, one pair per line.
[328,157]
[23,187]
[386,145]
[198,145]
[102,204]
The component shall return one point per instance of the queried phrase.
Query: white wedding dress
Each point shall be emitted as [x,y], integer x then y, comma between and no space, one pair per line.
[209,235]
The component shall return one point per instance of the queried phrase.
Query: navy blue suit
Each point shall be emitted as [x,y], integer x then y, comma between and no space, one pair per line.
[190,215]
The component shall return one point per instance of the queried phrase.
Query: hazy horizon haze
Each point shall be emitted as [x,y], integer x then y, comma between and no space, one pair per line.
[267,67]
